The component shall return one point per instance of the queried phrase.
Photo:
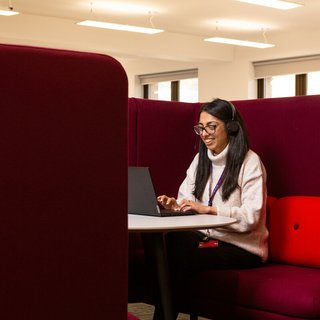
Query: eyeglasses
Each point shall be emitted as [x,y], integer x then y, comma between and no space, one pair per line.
[209,129]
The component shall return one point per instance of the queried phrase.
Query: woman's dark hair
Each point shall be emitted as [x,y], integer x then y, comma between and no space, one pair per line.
[238,148]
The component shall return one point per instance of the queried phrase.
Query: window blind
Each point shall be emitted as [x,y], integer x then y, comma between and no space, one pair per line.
[294,65]
[168,76]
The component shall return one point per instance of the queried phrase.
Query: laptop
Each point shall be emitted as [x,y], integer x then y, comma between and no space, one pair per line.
[142,197]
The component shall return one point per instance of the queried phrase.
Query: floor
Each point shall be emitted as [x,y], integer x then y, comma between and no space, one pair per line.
[145,312]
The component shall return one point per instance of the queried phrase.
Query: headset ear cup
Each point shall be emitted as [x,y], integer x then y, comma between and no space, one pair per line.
[233,127]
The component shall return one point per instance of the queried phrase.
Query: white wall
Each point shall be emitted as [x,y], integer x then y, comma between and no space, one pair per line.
[224,71]
[227,80]
[136,67]
[232,79]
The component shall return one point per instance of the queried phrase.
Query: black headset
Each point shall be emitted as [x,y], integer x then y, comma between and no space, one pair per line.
[233,124]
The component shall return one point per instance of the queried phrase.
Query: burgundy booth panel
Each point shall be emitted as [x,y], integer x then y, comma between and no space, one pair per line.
[166,141]
[136,265]
[285,133]
[294,231]
[132,132]
[63,185]
[270,201]
[139,286]
[277,291]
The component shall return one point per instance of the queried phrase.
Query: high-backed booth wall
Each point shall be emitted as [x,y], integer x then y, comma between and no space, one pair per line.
[283,131]
[63,185]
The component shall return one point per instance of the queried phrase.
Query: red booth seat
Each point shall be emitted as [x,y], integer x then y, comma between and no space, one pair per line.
[287,287]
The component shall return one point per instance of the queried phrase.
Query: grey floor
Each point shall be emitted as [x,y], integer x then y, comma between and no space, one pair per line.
[145,312]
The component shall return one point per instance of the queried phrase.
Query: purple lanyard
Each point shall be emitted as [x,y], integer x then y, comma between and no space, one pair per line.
[218,185]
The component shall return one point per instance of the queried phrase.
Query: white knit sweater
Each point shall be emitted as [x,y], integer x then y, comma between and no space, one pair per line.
[247,204]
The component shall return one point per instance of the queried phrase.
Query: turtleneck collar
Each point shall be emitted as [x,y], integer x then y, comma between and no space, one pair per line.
[218,159]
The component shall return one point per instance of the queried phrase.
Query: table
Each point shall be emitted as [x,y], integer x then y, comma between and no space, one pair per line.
[152,229]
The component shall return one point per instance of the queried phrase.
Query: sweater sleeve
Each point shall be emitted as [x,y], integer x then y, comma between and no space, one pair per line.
[251,208]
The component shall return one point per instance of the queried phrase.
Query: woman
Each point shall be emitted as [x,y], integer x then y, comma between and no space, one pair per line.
[225,178]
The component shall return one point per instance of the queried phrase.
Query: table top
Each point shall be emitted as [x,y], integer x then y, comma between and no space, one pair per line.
[143,223]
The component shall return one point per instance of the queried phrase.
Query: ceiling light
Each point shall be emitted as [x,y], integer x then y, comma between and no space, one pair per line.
[8,12]
[121,27]
[260,45]
[122,7]
[277,4]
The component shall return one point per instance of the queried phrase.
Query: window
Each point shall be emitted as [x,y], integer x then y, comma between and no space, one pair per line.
[280,86]
[189,90]
[288,76]
[159,91]
[313,83]
[175,86]
[289,85]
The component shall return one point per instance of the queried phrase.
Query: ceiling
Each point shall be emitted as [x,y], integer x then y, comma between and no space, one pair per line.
[186,24]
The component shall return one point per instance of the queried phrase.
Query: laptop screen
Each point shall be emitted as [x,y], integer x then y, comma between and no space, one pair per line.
[141,195]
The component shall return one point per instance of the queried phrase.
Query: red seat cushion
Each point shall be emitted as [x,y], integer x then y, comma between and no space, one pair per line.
[294,224]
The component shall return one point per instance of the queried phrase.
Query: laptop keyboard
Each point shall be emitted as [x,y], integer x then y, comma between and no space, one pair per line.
[172,213]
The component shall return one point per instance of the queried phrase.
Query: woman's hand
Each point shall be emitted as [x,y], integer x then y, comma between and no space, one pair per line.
[168,202]
[189,205]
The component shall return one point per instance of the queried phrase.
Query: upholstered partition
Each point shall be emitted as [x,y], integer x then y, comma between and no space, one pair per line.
[284,132]
[161,137]
[63,185]
[165,140]
[132,132]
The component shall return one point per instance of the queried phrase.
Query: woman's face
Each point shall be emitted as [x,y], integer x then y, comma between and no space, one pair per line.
[215,135]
